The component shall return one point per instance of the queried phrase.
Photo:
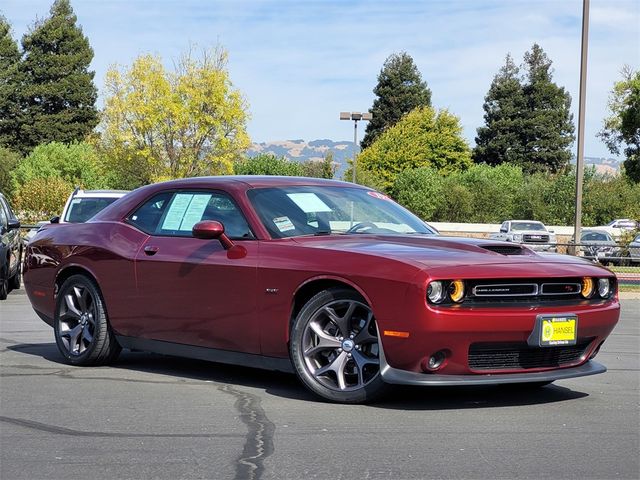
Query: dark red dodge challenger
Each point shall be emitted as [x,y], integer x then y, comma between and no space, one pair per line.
[329,279]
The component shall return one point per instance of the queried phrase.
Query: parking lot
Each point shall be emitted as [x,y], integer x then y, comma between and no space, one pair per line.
[151,416]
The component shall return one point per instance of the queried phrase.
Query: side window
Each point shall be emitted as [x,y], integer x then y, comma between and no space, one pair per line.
[3,217]
[504,228]
[147,216]
[175,214]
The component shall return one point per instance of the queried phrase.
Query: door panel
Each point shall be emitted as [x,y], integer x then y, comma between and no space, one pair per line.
[195,292]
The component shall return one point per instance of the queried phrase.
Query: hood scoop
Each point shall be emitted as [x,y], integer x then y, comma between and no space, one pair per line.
[506,249]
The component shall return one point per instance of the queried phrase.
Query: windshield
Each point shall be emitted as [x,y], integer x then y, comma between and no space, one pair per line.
[320,210]
[596,237]
[82,209]
[528,226]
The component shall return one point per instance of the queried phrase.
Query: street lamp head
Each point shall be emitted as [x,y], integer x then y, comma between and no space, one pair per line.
[367,116]
[356,116]
[345,115]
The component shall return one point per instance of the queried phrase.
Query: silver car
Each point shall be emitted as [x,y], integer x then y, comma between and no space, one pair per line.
[634,249]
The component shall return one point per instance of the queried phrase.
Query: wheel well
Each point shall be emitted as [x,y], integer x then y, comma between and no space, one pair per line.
[68,272]
[304,294]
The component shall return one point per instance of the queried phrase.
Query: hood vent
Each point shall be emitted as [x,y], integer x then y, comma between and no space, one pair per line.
[505,249]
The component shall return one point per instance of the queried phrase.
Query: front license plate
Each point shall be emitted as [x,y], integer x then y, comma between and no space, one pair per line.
[554,330]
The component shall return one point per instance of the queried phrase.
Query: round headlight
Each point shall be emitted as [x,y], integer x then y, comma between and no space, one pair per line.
[587,287]
[436,292]
[604,287]
[456,290]
[517,237]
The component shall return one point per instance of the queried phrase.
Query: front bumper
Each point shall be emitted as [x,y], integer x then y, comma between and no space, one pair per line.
[404,377]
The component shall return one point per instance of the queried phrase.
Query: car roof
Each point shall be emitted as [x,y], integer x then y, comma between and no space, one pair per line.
[230,183]
[254,181]
[100,193]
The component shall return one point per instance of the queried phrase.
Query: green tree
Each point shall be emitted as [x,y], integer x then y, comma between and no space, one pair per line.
[548,128]
[10,83]
[268,164]
[504,105]
[59,94]
[77,164]
[528,121]
[400,89]
[324,168]
[160,124]
[421,138]
[622,127]
[8,162]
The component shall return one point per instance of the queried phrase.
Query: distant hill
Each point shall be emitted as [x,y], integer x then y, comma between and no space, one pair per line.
[301,151]
[316,150]
[603,165]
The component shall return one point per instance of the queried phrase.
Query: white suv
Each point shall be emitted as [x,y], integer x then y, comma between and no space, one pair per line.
[84,204]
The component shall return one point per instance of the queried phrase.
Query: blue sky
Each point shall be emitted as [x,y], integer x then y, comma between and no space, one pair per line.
[299,63]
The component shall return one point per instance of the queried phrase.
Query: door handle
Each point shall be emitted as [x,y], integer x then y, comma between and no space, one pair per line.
[151,250]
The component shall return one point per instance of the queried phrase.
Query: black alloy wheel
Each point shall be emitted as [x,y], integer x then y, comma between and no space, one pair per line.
[334,347]
[81,325]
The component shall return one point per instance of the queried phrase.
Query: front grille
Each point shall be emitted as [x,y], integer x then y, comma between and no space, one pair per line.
[530,290]
[533,238]
[520,356]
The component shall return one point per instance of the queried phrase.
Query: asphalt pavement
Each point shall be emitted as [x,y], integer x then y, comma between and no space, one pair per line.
[156,417]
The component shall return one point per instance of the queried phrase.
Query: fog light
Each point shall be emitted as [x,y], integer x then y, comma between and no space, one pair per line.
[604,287]
[587,287]
[436,360]
[436,292]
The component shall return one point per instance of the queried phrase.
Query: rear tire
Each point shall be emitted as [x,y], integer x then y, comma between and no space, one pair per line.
[81,326]
[14,282]
[334,347]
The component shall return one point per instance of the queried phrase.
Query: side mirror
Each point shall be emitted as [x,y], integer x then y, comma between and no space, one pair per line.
[13,224]
[211,230]
[503,230]
[551,231]
[55,219]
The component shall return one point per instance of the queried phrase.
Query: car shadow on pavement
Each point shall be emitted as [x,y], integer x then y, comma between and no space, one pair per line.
[286,385]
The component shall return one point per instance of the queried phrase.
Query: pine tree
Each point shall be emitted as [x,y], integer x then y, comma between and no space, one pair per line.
[622,127]
[527,118]
[59,95]
[547,132]
[400,89]
[504,105]
[9,87]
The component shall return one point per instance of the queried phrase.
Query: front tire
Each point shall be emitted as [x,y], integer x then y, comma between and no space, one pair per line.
[4,284]
[334,347]
[81,325]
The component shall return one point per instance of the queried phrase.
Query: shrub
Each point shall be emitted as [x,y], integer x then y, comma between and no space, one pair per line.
[268,164]
[76,163]
[42,198]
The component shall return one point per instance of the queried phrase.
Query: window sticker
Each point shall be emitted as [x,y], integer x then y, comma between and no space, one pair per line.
[173,219]
[194,211]
[283,224]
[378,195]
[309,202]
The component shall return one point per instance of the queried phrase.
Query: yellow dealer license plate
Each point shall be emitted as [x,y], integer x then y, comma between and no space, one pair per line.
[554,330]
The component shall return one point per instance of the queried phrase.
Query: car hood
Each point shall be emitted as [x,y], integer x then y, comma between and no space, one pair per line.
[446,252]
[531,232]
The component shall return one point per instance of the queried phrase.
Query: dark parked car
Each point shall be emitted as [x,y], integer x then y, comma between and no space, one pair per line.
[10,249]
[331,280]
[599,245]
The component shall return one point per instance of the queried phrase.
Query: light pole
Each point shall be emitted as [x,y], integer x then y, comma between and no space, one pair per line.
[355,116]
[581,114]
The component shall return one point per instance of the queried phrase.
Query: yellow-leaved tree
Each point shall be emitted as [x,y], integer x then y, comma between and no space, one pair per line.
[160,124]
[424,137]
